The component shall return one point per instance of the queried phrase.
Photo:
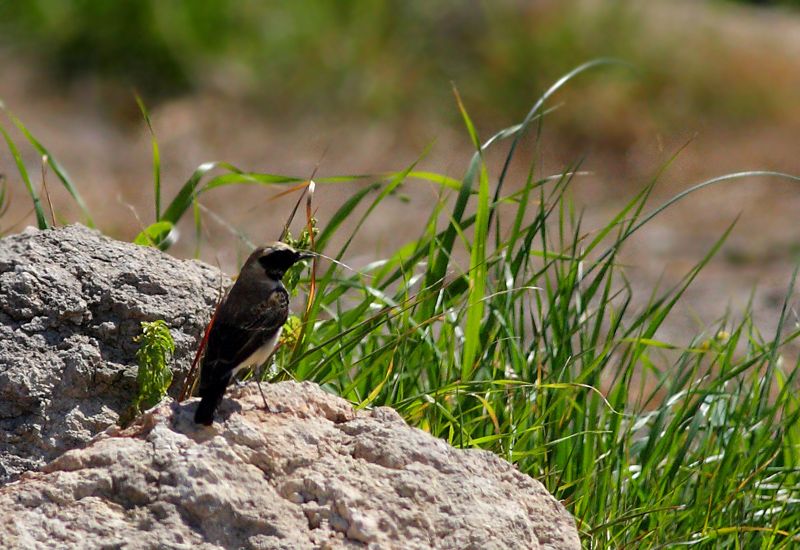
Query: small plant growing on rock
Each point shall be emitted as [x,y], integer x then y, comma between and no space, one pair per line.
[153,356]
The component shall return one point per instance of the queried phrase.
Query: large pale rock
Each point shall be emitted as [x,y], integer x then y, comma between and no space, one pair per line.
[71,302]
[310,472]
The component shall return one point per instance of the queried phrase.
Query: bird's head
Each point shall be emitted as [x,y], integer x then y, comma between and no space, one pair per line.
[273,260]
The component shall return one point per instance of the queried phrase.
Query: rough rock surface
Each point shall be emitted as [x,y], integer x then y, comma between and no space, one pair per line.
[310,472]
[71,302]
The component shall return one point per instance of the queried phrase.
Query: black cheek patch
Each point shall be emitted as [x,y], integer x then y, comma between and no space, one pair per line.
[279,260]
[265,262]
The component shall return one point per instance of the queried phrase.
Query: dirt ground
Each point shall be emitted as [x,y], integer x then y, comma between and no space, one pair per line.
[105,147]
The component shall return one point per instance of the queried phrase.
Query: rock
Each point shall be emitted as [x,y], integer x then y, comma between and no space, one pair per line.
[71,302]
[310,472]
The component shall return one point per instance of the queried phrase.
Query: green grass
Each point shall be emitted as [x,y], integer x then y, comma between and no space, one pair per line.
[700,448]
[535,348]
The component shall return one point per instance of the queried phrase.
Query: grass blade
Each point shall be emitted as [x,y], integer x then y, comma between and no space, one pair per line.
[156,156]
[56,167]
[41,220]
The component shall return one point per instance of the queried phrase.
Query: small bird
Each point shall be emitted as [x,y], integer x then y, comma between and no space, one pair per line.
[247,324]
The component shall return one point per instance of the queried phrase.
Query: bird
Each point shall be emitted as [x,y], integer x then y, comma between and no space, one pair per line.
[247,323]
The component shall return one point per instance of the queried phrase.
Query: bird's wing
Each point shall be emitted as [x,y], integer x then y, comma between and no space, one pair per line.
[238,333]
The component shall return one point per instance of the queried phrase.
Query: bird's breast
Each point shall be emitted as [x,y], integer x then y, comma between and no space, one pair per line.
[260,355]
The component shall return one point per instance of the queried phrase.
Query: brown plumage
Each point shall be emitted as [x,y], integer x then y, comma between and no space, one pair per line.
[247,324]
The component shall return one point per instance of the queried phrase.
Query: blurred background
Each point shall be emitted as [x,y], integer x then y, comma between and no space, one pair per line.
[366,87]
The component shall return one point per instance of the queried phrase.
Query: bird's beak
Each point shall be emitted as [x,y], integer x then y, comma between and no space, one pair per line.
[304,256]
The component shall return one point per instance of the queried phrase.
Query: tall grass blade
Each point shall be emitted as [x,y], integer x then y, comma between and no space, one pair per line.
[56,167]
[156,157]
[41,220]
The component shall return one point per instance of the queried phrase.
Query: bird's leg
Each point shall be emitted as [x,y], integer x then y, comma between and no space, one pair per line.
[266,405]
[258,382]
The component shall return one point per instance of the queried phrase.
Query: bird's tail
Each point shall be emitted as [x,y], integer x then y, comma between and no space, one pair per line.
[211,398]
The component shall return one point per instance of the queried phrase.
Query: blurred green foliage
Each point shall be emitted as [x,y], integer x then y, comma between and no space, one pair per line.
[379,59]
[771,2]
[120,39]
[379,55]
